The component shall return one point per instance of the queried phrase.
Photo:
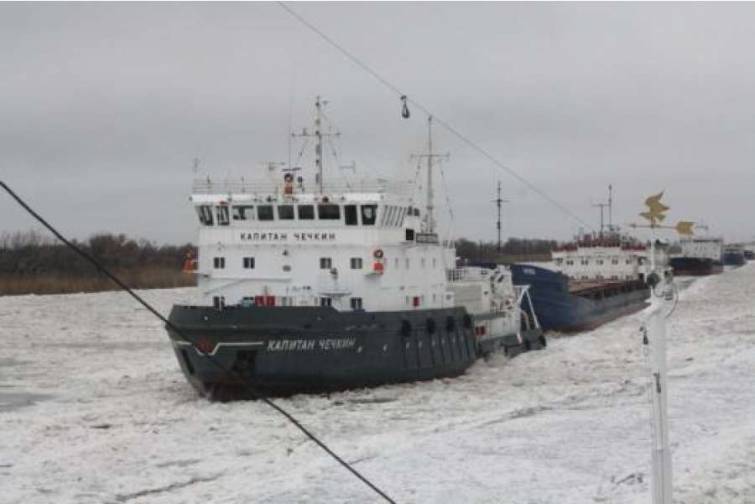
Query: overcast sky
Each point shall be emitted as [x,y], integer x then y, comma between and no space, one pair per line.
[103,107]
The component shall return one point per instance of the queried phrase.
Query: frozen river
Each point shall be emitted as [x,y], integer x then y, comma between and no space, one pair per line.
[93,409]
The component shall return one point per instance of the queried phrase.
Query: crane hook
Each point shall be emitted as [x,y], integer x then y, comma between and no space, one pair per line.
[404,108]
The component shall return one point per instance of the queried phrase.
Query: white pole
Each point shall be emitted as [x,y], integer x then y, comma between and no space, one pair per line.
[655,331]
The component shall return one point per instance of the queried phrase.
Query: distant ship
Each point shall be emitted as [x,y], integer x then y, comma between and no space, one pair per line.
[591,281]
[697,256]
[314,285]
[734,255]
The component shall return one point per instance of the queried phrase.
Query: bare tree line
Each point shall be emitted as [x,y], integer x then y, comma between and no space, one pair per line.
[33,262]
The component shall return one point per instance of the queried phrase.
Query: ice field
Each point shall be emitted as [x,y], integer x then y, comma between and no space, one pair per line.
[94,409]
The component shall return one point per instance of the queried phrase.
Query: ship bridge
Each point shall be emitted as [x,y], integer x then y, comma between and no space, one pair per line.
[350,245]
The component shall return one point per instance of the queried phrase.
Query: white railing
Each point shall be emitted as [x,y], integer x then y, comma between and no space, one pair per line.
[267,187]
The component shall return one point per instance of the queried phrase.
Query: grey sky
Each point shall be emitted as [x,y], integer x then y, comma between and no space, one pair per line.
[104,106]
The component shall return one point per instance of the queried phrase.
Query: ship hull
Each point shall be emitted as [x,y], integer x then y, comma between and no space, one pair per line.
[734,258]
[284,350]
[558,309]
[695,266]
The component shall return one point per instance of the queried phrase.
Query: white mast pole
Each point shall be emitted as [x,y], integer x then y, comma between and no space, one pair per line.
[655,332]
[430,208]
[318,147]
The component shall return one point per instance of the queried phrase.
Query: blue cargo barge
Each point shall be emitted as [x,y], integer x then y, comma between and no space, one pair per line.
[569,306]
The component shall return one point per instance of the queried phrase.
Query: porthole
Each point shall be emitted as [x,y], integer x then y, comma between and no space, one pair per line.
[430,326]
[450,324]
[406,328]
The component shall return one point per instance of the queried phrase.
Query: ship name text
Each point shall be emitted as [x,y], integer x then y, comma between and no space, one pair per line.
[271,236]
[308,345]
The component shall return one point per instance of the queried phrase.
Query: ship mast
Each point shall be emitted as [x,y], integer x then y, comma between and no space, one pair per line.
[498,201]
[430,209]
[318,135]
[430,194]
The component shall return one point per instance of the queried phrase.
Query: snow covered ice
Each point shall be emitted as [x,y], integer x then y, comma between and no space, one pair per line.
[94,409]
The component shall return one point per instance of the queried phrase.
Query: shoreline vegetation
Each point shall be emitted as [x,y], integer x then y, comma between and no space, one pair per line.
[35,263]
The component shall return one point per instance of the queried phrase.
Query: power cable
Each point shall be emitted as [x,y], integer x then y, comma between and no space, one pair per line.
[404,99]
[231,373]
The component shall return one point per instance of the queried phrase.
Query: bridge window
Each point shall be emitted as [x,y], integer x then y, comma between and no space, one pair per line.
[249,263]
[369,215]
[329,212]
[306,212]
[243,212]
[218,262]
[350,213]
[326,263]
[286,212]
[205,214]
[356,303]
[356,263]
[265,212]
[222,212]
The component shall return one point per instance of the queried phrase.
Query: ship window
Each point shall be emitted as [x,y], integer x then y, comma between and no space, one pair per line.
[402,214]
[286,212]
[569,262]
[614,261]
[218,262]
[435,263]
[422,262]
[395,262]
[306,212]
[328,212]
[265,212]
[222,212]
[356,303]
[356,263]
[286,268]
[369,215]
[249,263]
[243,212]
[559,260]
[585,261]
[350,213]
[629,261]
[599,261]
[326,301]
[407,263]
[205,214]
[326,263]
[218,302]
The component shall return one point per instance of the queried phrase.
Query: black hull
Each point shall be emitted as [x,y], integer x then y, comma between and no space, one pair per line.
[284,350]
[695,266]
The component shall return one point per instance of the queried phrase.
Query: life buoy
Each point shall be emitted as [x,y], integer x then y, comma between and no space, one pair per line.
[378,254]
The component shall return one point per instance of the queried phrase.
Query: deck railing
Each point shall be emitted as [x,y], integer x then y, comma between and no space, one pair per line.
[266,187]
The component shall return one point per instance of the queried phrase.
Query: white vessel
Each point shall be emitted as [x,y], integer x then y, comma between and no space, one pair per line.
[313,284]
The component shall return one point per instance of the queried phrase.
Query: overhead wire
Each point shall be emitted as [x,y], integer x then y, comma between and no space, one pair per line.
[405,98]
[237,377]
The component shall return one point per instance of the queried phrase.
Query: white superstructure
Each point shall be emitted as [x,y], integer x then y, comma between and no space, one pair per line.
[701,247]
[593,258]
[361,246]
